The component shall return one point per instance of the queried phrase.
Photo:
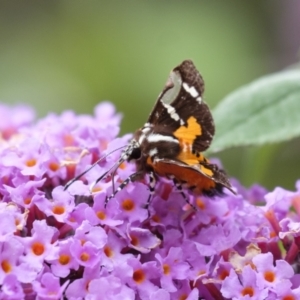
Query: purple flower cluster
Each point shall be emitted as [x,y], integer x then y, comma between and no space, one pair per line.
[66,244]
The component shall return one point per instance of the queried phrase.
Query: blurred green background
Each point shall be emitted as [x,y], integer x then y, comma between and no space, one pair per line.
[58,55]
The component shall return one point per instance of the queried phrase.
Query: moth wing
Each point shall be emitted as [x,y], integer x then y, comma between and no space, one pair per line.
[181,109]
[205,176]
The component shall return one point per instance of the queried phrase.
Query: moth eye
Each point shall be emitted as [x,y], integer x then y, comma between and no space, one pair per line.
[136,153]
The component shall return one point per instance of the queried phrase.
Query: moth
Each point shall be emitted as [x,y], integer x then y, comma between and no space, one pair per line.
[170,144]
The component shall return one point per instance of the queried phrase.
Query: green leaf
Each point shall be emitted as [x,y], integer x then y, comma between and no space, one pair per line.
[265,111]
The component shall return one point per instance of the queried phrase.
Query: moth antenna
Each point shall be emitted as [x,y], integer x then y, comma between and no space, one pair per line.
[91,167]
[114,173]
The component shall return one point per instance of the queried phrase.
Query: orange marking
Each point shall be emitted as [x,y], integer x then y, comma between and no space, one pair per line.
[189,133]
[181,174]
[206,171]
[149,161]
[189,158]
[186,136]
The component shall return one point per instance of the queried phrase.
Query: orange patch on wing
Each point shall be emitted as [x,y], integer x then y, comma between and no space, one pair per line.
[188,157]
[192,160]
[190,176]
[186,136]
[206,171]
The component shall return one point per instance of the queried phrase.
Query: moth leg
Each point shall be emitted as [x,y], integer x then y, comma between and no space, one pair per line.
[152,184]
[112,170]
[184,196]
[129,179]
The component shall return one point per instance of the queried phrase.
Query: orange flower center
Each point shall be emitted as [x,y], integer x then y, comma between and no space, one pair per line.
[223,274]
[31,162]
[134,240]
[58,210]
[64,259]
[122,165]
[289,297]
[166,269]
[6,266]
[38,248]
[248,291]
[108,252]
[269,276]
[101,215]
[139,276]
[84,256]
[27,200]
[53,166]
[128,205]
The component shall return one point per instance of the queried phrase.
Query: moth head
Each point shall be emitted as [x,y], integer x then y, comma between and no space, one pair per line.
[135,154]
[133,151]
